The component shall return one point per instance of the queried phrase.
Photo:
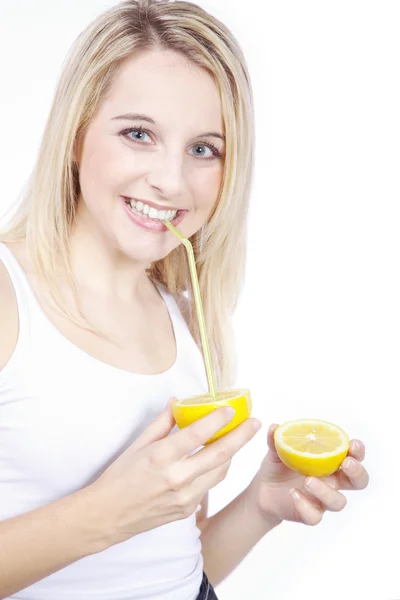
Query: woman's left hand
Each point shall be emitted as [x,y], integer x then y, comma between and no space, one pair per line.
[281,494]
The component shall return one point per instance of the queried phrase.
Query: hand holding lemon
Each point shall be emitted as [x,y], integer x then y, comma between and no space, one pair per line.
[308,461]
[309,446]
[279,493]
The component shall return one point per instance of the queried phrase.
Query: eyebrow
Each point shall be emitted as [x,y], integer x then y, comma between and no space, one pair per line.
[137,117]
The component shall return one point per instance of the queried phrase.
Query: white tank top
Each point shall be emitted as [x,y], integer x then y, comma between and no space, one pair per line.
[64,417]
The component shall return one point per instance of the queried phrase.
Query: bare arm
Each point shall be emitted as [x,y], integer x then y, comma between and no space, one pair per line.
[43,541]
[228,536]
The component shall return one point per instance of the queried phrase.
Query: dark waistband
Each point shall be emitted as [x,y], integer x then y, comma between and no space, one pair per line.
[206,590]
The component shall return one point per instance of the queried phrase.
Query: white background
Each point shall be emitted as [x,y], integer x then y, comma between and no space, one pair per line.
[318,328]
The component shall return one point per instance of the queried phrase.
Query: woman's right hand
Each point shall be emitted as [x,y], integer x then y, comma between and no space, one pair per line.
[160,478]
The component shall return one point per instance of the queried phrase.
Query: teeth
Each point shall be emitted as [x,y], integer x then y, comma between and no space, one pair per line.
[152,213]
[144,209]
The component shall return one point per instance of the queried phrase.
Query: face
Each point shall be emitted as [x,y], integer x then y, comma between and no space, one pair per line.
[153,151]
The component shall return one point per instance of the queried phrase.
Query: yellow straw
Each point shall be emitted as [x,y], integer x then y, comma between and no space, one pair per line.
[199,307]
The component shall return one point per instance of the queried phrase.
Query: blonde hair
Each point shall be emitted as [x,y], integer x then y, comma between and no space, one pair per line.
[46,213]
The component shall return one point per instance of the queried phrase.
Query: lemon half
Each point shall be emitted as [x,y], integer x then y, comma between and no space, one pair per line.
[311,447]
[191,409]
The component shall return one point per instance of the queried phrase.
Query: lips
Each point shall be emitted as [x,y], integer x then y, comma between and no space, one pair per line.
[147,222]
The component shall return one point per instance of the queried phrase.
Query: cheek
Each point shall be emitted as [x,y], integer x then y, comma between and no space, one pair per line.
[99,167]
[100,179]
[207,184]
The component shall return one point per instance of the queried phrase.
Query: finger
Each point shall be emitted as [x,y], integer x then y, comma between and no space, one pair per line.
[329,498]
[188,439]
[157,430]
[223,449]
[306,512]
[357,450]
[272,453]
[201,485]
[356,473]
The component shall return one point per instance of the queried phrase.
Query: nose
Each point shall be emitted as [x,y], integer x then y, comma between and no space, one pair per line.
[167,175]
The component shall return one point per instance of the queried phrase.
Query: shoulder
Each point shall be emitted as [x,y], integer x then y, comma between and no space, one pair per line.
[8,316]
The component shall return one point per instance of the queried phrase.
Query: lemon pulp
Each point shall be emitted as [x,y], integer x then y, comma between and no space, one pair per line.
[311,447]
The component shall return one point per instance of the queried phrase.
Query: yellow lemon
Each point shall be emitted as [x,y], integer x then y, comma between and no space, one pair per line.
[191,409]
[311,447]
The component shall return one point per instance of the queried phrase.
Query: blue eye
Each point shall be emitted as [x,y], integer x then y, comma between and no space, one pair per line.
[138,131]
[214,151]
[139,134]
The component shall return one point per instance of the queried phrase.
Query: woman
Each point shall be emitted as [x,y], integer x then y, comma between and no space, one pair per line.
[99,495]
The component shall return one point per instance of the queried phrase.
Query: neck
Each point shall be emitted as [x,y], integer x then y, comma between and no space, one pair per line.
[102,269]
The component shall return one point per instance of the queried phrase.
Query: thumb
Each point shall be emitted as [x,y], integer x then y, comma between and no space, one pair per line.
[158,429]
[272,453]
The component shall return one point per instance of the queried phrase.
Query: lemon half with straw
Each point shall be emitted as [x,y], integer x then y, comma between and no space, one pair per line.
[311,447]
[191,409]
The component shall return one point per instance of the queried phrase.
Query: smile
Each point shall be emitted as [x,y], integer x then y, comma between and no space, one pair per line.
[150,218]
[142,209]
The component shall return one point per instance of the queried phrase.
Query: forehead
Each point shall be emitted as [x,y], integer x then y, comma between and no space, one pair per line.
[165,85]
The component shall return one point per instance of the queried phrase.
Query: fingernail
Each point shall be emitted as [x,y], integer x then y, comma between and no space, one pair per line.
[230,412]
[312,483]
[257,425]
[295,494]
[351,464]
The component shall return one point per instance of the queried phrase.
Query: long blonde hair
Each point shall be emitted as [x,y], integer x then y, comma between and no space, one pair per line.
[45,216]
